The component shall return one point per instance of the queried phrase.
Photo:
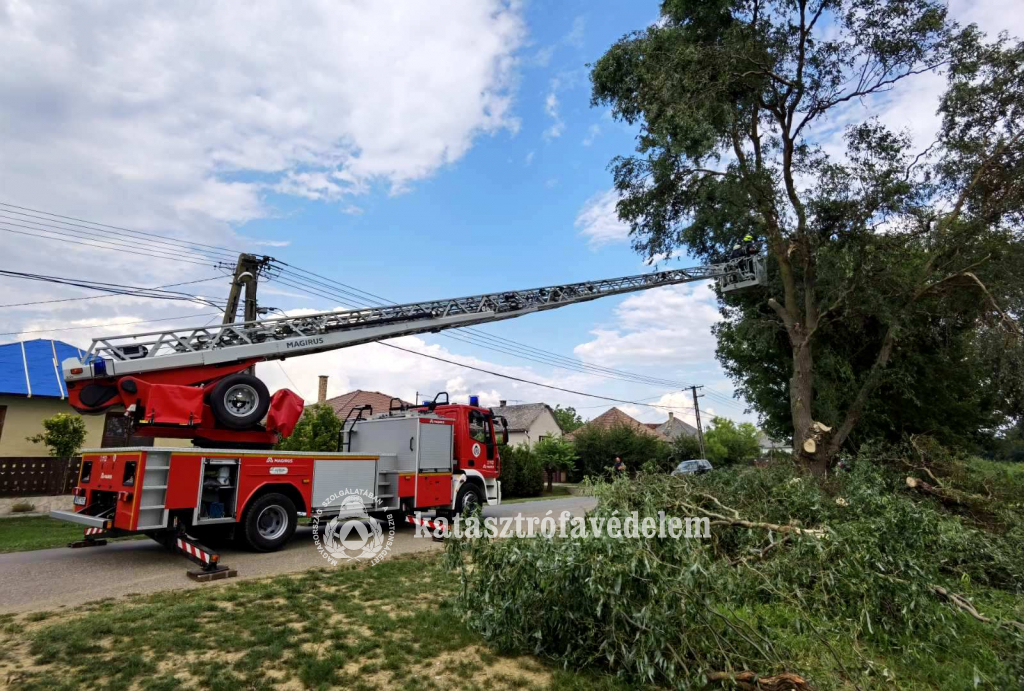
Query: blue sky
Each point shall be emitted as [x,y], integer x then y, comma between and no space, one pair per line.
[415,150]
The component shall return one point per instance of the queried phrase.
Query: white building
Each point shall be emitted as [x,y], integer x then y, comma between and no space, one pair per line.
[528,423]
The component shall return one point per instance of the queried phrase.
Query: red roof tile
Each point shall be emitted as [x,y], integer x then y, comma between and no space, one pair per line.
[616,418]
[353,399]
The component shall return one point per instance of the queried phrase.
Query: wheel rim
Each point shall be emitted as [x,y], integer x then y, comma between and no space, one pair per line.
[470,502]
[241,400]
[271,523]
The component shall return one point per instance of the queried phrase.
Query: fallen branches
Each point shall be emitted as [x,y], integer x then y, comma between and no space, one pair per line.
[738,521]
[962,603]
[749,680]
[943,494]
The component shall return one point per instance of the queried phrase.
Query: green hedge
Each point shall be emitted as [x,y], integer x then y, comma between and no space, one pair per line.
[521,472]
[597,448]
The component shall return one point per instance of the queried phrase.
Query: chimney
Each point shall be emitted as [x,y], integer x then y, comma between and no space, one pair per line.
[670,413]
[501,404]
[321,396]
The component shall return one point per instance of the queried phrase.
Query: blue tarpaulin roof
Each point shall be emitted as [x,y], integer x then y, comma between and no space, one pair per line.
[32,368]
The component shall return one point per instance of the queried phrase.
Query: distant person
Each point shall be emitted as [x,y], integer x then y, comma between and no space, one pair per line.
[619,468]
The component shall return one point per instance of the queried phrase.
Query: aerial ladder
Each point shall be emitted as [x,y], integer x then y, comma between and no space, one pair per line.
[198,383]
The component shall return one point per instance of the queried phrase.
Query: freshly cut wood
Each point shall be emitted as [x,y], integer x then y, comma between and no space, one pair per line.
[810,446]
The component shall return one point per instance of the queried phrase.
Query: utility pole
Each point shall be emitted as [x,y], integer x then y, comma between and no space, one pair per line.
[696,412]
[247,273]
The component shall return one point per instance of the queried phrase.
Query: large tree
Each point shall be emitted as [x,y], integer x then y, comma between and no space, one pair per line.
[738,103]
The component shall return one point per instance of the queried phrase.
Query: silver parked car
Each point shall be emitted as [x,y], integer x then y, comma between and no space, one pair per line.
[694,467]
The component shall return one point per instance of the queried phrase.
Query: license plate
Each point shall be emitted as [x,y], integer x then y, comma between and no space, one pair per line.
[80,501]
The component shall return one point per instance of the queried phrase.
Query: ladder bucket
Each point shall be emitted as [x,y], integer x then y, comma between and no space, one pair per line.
[748,272]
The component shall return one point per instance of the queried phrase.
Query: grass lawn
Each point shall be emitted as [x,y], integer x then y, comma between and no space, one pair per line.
[37,532]
[553,494]
[386,626]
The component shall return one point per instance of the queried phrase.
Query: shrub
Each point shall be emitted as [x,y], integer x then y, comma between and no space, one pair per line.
[63,435]
[522,474]
[317,430]
[597,448]
[554,455]
[855,600]
[22,507]
[727,443]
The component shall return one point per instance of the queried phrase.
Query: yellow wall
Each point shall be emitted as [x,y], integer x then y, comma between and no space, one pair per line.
[25,419]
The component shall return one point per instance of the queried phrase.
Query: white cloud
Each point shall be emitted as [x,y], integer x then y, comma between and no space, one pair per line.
[670,326]
[599,222]
[575,36]
[173,101]
[182,119]
[551,108]
[529,158]
[592,133]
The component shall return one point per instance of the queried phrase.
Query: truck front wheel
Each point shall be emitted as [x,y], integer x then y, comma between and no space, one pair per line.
[268,522]
[469,498]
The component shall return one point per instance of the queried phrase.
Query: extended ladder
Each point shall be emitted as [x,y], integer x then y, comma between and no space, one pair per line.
[279,338]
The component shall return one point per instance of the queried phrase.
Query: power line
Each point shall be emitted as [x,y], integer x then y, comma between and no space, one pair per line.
[98,245]
[93,326]
[532,383]
[113,288]
[108,238]
[97,297]
[127,230]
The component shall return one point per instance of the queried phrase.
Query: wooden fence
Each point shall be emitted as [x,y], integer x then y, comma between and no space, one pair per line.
[27,477]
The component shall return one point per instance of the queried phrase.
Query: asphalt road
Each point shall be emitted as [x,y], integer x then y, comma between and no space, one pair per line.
[52,578]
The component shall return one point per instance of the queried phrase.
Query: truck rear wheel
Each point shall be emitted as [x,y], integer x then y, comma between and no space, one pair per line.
[268,522]
[239,401]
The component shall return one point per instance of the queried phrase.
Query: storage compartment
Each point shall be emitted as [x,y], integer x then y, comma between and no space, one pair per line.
[218,490]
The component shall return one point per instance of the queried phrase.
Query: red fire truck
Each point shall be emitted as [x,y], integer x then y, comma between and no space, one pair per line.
[441,457]
[199,384]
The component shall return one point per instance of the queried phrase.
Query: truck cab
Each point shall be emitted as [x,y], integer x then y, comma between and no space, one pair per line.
[476,461]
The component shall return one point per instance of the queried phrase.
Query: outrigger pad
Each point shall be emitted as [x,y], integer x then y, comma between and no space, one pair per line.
[214,575]
[87,543]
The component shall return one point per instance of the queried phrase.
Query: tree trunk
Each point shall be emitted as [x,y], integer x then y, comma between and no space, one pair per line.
[551,479]
[801,397]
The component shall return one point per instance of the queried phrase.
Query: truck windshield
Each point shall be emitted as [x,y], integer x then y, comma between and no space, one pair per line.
[479,429]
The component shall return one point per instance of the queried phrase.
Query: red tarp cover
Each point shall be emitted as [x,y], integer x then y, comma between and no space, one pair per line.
[168,404]
[285,411]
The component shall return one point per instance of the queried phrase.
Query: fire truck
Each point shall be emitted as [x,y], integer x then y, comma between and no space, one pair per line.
[199,384]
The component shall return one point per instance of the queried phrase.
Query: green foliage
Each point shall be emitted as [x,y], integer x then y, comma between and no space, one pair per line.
[317,430]
[555,454]
[685,448]
[522,474]
[597,448]
[63,434]
[852,605]
[567,418]
[727,443]
[888,265]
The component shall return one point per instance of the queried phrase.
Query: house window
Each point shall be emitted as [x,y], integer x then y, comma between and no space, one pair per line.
[3,414]
[117,432]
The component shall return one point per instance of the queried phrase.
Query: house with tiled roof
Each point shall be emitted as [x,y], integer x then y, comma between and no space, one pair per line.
[613,417]
[528,423]
[380,402]
[673,428]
